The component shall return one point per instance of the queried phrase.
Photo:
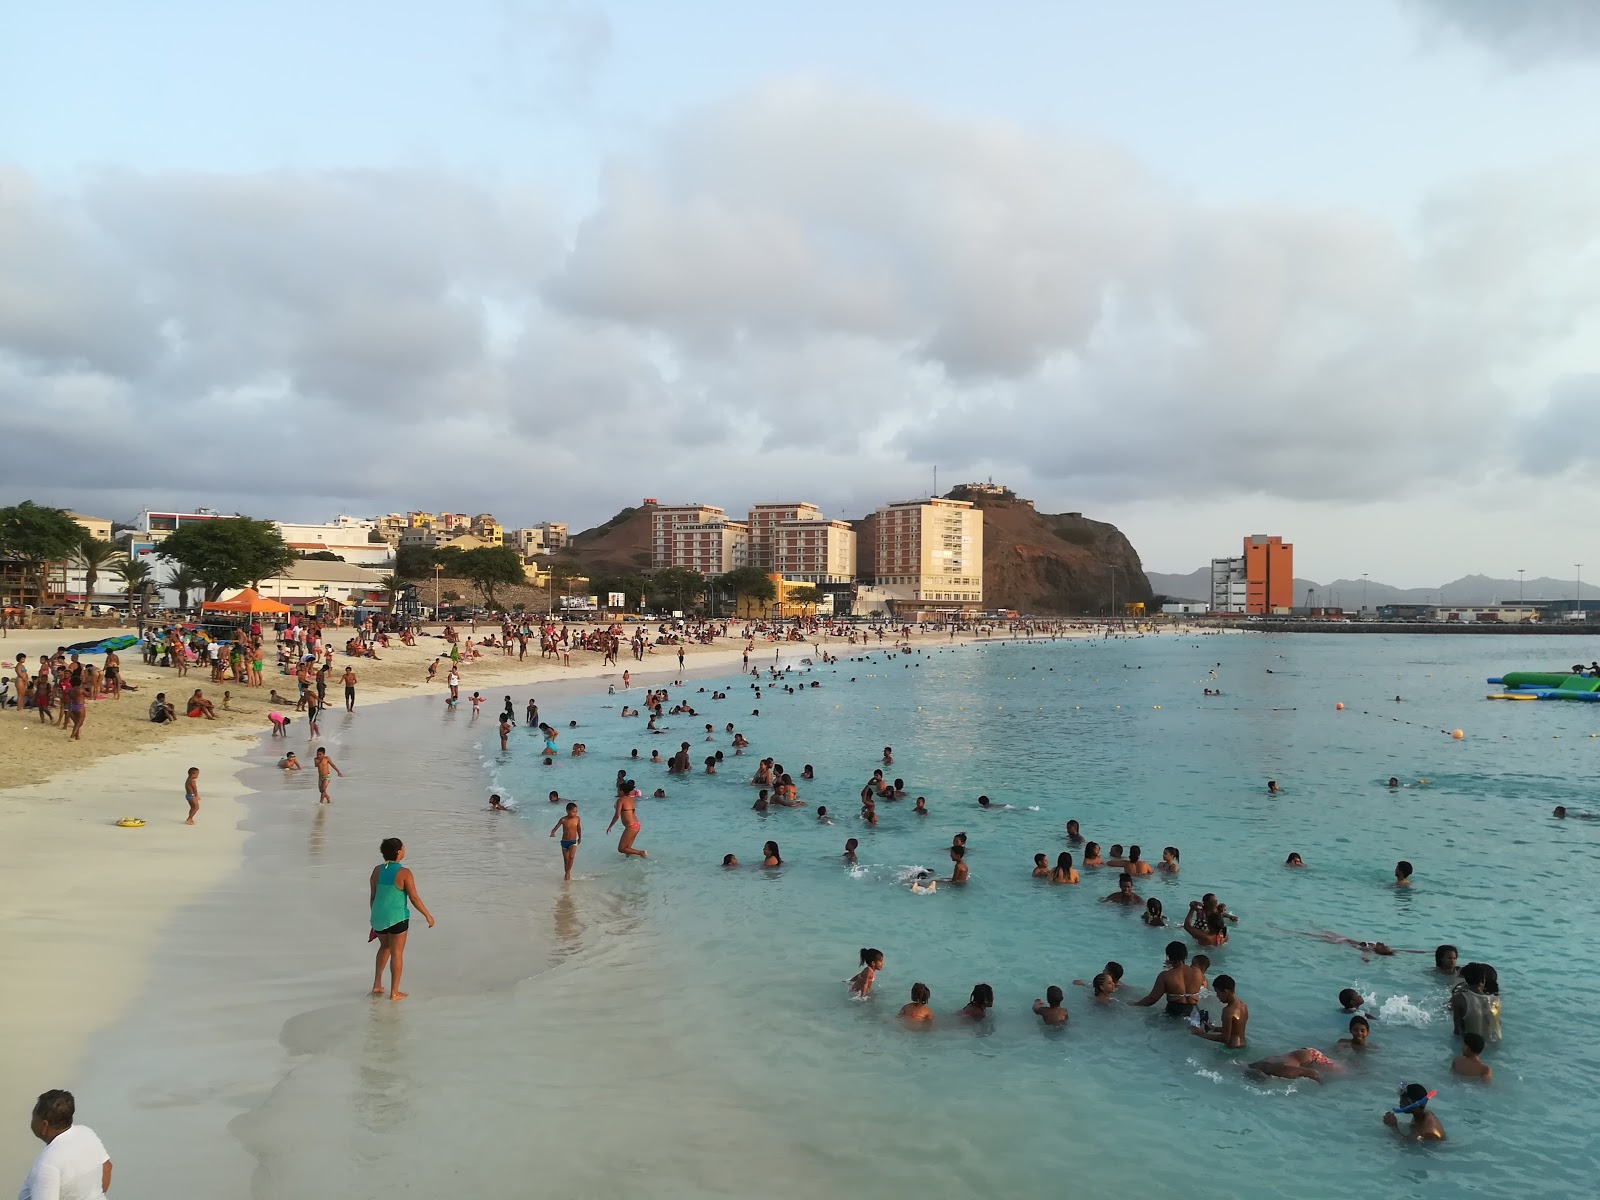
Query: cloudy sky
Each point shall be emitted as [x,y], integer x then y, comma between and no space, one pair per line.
[1325,270]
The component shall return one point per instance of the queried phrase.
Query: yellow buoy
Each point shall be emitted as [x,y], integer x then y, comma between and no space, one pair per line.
[1339,707]
[1457,734]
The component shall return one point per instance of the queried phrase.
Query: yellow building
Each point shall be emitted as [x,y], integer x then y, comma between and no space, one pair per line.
[95,527]
[419,520]
[928,555]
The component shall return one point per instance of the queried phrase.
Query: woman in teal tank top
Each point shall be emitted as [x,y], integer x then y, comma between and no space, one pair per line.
[392,886]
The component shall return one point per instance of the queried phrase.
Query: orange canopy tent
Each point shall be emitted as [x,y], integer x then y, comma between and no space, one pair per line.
[247,601]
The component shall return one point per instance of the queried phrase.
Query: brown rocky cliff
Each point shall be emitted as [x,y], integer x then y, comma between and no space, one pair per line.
[1041,563]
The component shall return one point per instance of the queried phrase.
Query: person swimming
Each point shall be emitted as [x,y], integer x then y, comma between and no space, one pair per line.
[1424,1127]
[1041,867]
[1050,1010]
[1091,855]
[1359,1029]
[871,963]
[1179,983]
[917,1012]
[1304,1063]
[1062,872]
[850,846]
[979,1004]
[1153,916]
[1294,860]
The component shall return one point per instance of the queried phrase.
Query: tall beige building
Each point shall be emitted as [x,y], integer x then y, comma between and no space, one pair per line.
[764,521]
[814,551]
[929,554]
[710,547]
[664,522]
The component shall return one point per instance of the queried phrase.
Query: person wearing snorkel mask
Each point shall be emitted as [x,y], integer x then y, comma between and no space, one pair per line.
[1424,1125]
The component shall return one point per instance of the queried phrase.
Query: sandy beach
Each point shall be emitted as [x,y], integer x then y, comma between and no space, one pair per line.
[86,901]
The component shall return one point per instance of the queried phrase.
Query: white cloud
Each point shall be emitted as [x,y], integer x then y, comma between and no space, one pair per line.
[803,289]
[1522,32]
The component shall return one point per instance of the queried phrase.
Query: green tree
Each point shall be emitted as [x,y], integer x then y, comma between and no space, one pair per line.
[183,581]
[137,577]
[228,553]
[806,597]
[93,555]
[393,584]
[324,556]
[36,535]
[677,587]
[489,567]
[749,585]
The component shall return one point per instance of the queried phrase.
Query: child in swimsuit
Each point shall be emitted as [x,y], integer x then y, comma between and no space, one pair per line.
[871,964]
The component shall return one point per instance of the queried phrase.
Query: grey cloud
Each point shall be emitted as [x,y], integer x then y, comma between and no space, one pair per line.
[1565,433]
[803,289]
[1522,32]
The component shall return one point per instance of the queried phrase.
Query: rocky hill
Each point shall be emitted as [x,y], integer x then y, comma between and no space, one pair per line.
[1041,563]
[620,546]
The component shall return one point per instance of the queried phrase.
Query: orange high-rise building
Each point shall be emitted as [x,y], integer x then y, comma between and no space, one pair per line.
[1269,574]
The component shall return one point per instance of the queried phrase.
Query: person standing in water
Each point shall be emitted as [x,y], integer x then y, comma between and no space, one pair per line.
[1234,1016]
[1178,984]
[571,831]
[624,812]
[1424,1127]
[392,886]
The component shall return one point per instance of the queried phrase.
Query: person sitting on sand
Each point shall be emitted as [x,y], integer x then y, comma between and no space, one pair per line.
[199,706]
[161,710]
[1050,1010]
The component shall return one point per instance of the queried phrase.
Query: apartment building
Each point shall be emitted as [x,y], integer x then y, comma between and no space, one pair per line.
[665,520]
[814,551]
[764,520]
[710,547]
[1258,581]
[928,555]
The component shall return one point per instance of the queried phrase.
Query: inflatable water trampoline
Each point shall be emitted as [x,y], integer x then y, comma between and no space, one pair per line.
[1546,685]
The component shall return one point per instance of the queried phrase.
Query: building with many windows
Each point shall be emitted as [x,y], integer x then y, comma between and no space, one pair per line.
[665,520]
[928,555]
[710,547]
[1259,581]
[348,537]
[764,520]
[814,551]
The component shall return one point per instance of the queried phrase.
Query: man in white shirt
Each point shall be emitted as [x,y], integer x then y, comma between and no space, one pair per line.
[73,1164]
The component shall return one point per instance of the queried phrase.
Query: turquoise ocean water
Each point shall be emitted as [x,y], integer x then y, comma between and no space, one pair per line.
[667,1028]
[1117,735]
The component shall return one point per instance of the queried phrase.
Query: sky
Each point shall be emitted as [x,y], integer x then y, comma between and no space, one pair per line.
[1326,271]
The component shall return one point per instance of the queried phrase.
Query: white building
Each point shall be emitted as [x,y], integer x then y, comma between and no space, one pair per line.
[929,554]
[311,579]
[710,547]
[664,522]
[348,537]
[528,543]
[1229,590]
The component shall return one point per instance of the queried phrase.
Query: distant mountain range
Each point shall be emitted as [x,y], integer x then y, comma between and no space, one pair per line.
[1347,593]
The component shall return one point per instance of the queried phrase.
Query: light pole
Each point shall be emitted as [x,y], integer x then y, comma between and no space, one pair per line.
[1519,592]
[1363,593]
[1579,567]
[438,570]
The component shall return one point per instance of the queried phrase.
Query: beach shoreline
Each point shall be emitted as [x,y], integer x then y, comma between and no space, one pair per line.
[88,902]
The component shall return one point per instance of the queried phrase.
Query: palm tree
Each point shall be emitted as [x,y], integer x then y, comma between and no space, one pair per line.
[392,584]
[135,575]
[183,581]
[92,554]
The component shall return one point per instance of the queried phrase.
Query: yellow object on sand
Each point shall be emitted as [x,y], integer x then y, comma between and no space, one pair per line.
[130,823]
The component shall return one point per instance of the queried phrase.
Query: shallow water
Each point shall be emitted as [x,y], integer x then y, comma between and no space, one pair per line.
[668,1028]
